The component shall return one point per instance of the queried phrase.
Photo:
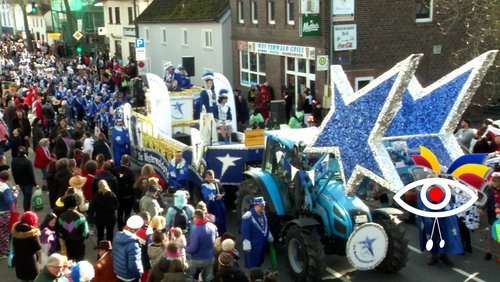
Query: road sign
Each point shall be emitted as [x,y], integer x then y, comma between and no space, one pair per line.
[101,31]
[139,43]
[77,35]
[79,24]
[140,54]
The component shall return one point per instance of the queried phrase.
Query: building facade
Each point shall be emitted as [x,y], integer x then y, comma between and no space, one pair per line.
[119,27]
[292,42]
[195,34]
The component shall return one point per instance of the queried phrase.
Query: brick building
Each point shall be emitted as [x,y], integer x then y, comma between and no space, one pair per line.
[270,41]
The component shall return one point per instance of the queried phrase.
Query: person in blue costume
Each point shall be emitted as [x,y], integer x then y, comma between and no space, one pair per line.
[213,194]
[208,96]
[448,231]
[256,234]
[103,120]
[79,105]
[178,171]
[121,140]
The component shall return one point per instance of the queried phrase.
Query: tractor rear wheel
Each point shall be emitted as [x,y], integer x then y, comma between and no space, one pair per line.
[397,250]
[305,253]
[247,191]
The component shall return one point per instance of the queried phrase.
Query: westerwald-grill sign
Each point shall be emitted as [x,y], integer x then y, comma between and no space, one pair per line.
[310,26]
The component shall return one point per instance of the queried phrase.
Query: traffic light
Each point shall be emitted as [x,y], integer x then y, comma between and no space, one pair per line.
[33,7]
[78,49]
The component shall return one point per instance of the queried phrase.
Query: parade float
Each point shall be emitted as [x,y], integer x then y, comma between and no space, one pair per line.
[173,121]
[310,177]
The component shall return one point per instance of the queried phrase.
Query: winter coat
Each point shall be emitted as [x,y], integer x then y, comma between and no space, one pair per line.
[61,182]
[27,248]
[150,204]
[46,276]
[103,268]
[7,198]
[38,134]
[126,181]
[72,225]
[22,171]
[126,252]
[158,272]
[201,243]
[156,252]
[103,207]
[101,147]
[42,157]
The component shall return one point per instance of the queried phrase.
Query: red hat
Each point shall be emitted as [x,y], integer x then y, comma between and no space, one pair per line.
[30,218]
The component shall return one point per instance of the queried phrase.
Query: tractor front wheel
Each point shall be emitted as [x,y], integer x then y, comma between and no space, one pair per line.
[247,191]
[305,252]
[397,250]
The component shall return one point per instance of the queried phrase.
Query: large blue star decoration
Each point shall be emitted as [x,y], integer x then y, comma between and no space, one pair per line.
[367,244]
[353,128]
[428,116]
[178,106]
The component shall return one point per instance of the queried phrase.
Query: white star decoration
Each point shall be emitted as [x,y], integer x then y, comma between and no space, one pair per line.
[118,138]
[227,161]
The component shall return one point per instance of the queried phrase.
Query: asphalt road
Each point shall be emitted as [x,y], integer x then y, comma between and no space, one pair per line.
[470,267]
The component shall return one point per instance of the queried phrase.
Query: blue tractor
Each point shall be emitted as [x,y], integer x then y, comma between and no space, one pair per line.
[310,212]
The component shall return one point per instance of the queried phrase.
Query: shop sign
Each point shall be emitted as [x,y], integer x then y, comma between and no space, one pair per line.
[309,6]
[344,37]
[310,25]
[322,63]
[129,31]
[293,51]
[343,10]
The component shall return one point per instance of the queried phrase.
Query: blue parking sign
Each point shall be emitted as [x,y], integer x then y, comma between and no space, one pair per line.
[139,43]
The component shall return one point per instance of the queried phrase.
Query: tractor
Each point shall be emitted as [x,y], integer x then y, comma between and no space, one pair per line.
[309,210]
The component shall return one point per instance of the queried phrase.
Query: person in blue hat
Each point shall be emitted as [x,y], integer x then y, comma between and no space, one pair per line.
[208,95]
[103,120]
[256,233]
[121,140]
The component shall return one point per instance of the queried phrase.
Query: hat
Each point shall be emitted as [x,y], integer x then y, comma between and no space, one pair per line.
[259,201]
[30,218]
[228,245]
[135,222]
[168,65]
[208,75]
[56,102]
[104,245]
[44,141]
[77,181]
[180,67]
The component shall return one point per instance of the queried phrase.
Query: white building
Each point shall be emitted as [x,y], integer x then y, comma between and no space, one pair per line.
[195,33]
[7,18]
[119,25]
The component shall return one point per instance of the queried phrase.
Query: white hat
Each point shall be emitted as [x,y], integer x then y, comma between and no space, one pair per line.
[168,65]
[135,222]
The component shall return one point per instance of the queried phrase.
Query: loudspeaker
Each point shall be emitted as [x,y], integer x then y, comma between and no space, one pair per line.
[278,111]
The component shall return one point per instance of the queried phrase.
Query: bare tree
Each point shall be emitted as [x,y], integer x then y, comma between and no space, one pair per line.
[478,22]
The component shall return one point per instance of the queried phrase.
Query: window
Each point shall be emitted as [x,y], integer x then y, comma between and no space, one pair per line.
[117,15]
[241,15]
[118,48]
[300,73]
[290,12]
[184,36]
[255,18]
[424,11]
[164,36]
[146,31]
[110,14]
[252,68]
[362,81]
[207,38]
[270,12]
[130,15]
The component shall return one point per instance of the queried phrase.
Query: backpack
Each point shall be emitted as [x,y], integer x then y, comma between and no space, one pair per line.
[181,219]
[37,200]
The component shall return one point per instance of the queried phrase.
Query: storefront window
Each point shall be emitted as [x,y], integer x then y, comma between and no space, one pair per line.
[300,73]
[252,68]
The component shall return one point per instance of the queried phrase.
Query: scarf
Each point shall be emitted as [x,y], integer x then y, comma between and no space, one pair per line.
[202,221]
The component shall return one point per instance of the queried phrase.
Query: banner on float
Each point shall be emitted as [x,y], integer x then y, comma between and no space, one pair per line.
[148,156]
[221,82]
[159,99]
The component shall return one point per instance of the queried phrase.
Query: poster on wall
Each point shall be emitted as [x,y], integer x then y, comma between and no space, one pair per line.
[343,10]
[309,6]
[344,37]
[310,26]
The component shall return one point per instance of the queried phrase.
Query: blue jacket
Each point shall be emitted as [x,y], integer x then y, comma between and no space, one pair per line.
[126,252]
[6,197]
[202,240]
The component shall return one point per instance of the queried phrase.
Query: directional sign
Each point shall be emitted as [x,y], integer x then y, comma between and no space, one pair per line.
[140,54]
[139,43]
[101,31]
[77,35]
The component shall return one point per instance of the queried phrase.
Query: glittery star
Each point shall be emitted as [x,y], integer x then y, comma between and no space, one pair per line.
[428,116]
[356,122]
[227,161]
